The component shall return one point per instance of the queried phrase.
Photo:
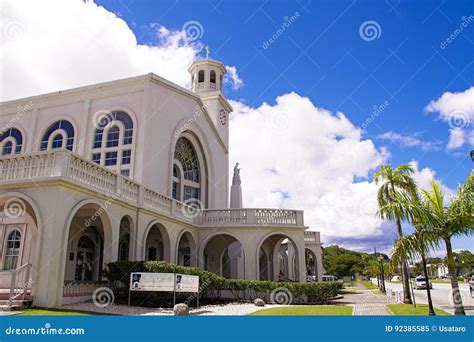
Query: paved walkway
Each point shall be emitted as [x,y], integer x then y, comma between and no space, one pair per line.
[365,302]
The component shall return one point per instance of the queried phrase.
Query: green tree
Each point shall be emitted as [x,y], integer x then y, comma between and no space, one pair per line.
[393,183]
[343,265]
[455,218]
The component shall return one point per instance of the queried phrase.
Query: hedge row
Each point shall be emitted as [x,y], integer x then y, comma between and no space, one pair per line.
[212,285]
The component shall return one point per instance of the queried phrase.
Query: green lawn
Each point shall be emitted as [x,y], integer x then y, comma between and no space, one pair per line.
[368,284]
[46,312]
[378,292]
[409,310]
[344,291]
[306,310]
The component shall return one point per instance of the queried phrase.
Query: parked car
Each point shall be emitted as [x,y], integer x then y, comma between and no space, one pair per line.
[471,284]
[421,283]
[396,278]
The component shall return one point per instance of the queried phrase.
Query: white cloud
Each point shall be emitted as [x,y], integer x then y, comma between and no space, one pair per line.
[53,45]
[301,156]
[409,141]
[458,110]
[233,78]
[458,137]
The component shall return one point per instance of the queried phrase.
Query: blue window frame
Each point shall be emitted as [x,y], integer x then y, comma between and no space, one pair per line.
[96,158]
[58,142]
[9,147]
[113,136]
[126,157]
[110,158]
[127,122]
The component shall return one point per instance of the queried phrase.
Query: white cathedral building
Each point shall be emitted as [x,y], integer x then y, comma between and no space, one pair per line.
[133,169]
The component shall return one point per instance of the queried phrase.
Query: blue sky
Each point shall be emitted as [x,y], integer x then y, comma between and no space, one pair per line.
[327,90]
[321,55]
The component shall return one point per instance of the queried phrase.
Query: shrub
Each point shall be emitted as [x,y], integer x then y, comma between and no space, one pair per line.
[212,285]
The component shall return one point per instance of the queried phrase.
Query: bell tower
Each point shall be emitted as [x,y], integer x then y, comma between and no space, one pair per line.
[207,75]
[207,78]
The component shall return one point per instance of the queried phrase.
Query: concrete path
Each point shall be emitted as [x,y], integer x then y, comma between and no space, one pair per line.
[365,302]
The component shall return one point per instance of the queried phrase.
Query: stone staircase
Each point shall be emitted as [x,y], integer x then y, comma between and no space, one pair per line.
[19,303]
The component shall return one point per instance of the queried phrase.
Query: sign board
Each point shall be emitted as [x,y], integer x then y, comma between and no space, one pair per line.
[187,283]
[152,281]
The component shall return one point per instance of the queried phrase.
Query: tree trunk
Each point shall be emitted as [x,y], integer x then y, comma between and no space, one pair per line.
[431,311]
[405,276]
[457,300]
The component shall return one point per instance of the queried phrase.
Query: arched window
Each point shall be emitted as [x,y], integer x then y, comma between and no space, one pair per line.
[213,76]
[11,142]
[112,143]
[7,148]
[59,135]
[123,248]
[12,251]
[176,182]
[186,171]
[201,76]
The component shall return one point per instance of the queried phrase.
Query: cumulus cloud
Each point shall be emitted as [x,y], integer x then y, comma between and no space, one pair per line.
[233,78]
[302,156]
[53,45]
[305,157]
[409,140]
[458,110]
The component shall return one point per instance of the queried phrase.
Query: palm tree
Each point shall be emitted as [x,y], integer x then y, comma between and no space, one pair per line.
[395,182]
[416,245]
[453,219]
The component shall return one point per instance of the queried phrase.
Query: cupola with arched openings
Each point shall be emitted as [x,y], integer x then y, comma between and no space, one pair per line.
[207,76]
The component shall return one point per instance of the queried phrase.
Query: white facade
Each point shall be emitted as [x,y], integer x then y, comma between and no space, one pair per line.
[134,169]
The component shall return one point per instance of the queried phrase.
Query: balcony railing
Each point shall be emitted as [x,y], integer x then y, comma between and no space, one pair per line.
[312,237]
[67,166]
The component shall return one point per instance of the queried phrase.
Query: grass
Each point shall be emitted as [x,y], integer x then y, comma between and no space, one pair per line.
[440,281]
[378,292]
[344,291]
[306,310]
[409,310]
[368,284]
[52,312]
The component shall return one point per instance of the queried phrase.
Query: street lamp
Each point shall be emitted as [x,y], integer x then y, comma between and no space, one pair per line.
[472,155]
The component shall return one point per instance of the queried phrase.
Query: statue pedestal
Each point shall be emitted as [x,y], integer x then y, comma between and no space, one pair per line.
[236,196]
